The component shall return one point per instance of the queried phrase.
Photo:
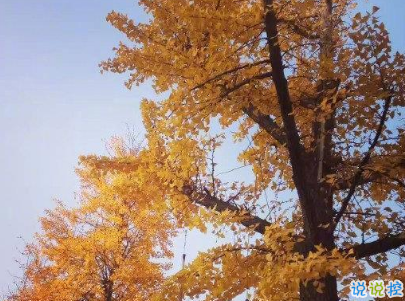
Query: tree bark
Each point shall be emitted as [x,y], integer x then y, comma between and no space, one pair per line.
[315,197]
[309,293]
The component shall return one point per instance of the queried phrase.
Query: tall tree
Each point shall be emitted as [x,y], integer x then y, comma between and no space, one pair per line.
[318,93]
[103,250]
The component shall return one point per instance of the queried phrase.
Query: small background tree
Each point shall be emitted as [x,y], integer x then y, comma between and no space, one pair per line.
[102,250]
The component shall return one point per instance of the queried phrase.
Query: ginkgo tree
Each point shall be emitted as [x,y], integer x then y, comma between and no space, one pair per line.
[101,250]
[316,89]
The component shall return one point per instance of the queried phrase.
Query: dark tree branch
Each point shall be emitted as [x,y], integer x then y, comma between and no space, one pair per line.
[216,77]
[375,176]
[300,30]
[344,184]
[295,148]
[266,123]
[250,221]
[218,5]
[360,251]
[382,245]
[211,202]
[366,159]
[244,83]
[396,180]
[281,84]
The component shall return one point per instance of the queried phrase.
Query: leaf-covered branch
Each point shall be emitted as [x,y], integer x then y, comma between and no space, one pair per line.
[245,82]
[364,161]
[209,201]
[266,123]
[227,72]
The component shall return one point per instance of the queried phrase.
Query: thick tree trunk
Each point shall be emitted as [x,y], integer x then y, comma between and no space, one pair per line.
[323,152]
[323,235]
[108,290]
[309,293]
[315,197]
[325,238]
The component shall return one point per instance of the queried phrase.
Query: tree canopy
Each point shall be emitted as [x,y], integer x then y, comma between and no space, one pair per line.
[102,250]
[317,92]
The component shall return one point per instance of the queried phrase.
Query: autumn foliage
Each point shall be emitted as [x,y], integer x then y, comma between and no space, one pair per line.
[111,247]
[314,92]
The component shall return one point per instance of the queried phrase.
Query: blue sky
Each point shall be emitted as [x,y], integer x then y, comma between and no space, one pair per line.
[55,105]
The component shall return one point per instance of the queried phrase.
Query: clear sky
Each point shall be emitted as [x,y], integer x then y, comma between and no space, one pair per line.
[55,105]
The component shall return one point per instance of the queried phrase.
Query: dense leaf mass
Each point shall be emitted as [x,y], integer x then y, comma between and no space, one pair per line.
[110,247]
[316,93]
